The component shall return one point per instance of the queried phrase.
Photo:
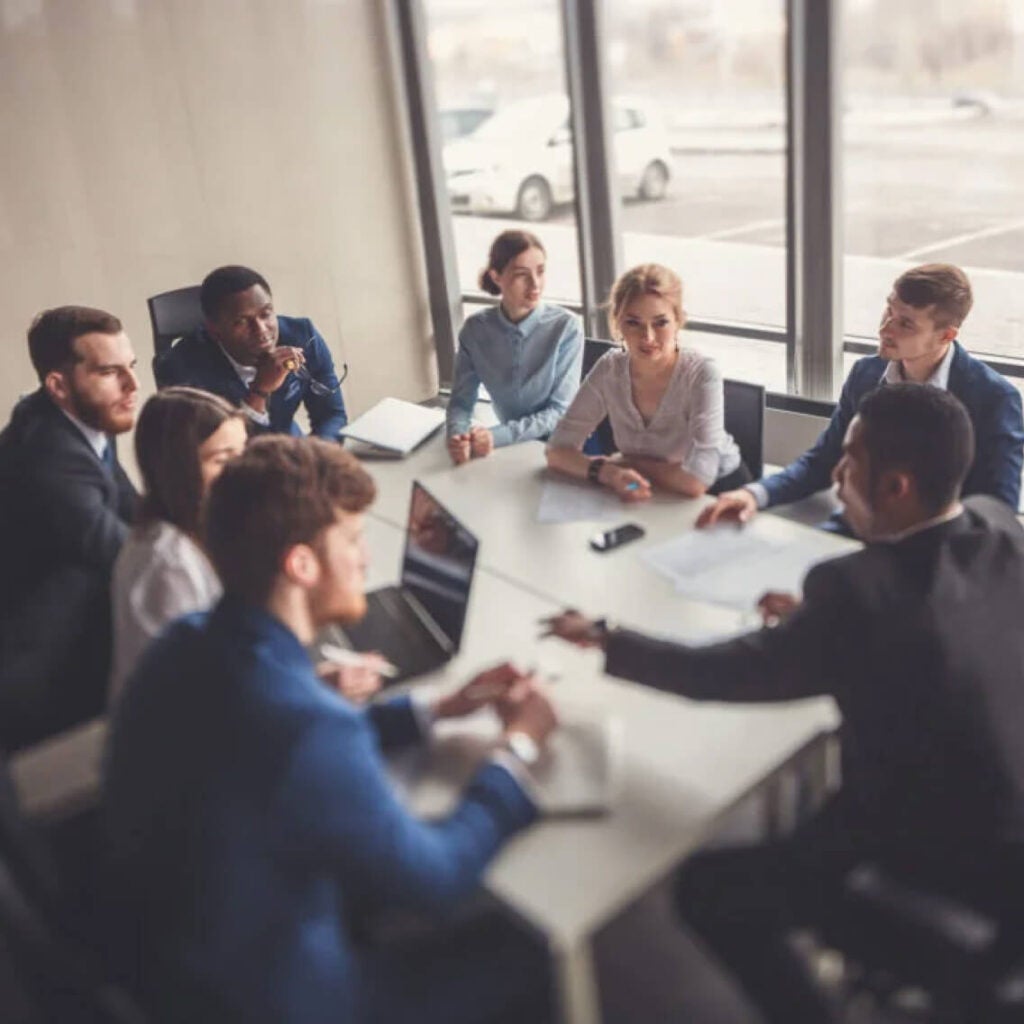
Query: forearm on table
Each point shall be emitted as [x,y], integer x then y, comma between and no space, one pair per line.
[668,475]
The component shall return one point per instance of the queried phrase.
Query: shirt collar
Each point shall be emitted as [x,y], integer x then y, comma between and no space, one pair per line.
[524,326]
[247,374]
[910,531]
[97,439]
[938,379]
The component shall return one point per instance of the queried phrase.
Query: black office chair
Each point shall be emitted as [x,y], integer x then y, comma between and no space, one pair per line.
[56,969]
[744,419]
[173,314]
[900,935]
[601,441]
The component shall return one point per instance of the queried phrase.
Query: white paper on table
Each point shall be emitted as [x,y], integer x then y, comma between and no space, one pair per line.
[563,501]
[732,567]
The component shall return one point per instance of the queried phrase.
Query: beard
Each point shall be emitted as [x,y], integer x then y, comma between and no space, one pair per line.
[104,416]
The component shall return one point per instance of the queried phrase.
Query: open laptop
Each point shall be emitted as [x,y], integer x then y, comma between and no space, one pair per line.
[418,624]
[393,427]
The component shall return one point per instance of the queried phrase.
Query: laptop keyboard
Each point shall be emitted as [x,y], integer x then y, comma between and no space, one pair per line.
[391,627]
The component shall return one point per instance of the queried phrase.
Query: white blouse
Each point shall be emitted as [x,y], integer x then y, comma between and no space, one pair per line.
[687,428]
[160,574]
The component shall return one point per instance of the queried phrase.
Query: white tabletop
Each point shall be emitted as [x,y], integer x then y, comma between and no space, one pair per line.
[685,764]
[497,498]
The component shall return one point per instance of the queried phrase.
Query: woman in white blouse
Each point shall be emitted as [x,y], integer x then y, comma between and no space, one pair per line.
[182,441]
[664,402]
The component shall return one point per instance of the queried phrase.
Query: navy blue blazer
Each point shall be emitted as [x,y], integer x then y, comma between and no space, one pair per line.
[247,806]
[992,402]
[198,361]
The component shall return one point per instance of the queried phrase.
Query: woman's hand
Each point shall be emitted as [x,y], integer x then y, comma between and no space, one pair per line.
[627,483]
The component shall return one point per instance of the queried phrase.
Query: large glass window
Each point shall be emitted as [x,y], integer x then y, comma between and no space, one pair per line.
[933,137]
[698,88]
[499,78]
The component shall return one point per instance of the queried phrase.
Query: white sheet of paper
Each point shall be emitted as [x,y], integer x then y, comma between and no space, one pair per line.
[731,567]
[564,501]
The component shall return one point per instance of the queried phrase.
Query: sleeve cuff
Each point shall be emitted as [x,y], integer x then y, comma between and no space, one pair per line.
[760,493]
[423,713]
[262,418]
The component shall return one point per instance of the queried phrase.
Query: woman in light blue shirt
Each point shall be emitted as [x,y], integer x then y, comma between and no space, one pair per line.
[528,354]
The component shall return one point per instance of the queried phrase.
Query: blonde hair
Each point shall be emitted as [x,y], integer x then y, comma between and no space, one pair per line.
[645,279]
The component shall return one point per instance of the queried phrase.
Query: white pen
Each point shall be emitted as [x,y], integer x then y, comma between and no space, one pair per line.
[343,656]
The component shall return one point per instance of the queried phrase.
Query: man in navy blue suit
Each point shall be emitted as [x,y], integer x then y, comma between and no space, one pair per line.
[248,810]
[917,343]
[265,363]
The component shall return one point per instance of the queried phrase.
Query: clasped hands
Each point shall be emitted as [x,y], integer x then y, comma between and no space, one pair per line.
[475,443]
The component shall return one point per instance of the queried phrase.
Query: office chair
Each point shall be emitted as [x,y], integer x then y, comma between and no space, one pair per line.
[58,972]
[173,314]
[901,935]
[601,441]
[744,419]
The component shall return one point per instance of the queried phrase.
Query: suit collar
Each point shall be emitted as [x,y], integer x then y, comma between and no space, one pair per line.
[241,618]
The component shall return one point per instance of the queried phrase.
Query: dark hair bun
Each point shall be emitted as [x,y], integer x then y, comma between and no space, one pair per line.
[487,282]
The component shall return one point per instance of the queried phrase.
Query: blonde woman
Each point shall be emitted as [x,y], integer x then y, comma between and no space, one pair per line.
[664,402]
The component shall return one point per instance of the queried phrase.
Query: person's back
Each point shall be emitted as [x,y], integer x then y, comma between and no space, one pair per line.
[205,783]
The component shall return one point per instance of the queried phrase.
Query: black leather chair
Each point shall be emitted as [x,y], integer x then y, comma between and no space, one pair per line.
[744,419]
[57,968]
[902,935]
[173,314]
[601,441]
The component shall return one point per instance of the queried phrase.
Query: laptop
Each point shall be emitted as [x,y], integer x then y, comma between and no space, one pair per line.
[393,427]
[417,625]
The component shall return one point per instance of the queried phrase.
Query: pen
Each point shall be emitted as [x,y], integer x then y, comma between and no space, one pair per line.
[634,486]
[343,656]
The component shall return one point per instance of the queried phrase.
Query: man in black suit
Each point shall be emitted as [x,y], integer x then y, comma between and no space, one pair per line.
[65,512]
[918,639]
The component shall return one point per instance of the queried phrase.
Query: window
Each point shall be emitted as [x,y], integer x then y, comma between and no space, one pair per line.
[932,136]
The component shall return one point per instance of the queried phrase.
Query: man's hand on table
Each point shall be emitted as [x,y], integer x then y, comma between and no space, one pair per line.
[775,607]
[732,507]
[356,682]
[576,628]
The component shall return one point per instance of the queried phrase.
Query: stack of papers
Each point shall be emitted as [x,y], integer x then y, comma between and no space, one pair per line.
[566,501]
[730,566]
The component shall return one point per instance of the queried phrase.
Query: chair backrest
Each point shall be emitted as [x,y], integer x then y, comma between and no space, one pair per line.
[601,441]
[173,314]
[56,972]
[744,419]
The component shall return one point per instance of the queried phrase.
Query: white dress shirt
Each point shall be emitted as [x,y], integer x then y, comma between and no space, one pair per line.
[160,574]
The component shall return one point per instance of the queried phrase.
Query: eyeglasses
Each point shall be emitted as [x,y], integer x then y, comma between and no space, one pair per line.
[317,387]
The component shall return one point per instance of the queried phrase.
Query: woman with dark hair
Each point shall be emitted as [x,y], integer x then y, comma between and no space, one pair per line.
[183,439]
[526,353]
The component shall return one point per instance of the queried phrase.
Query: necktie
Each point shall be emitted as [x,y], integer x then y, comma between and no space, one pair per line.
[108,456]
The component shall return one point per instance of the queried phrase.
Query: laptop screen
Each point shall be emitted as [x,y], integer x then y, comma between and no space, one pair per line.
[440,555]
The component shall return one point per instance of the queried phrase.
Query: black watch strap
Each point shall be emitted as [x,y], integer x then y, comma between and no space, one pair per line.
[594,469]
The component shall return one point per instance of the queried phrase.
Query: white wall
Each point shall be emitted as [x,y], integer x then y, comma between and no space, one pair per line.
[147,141]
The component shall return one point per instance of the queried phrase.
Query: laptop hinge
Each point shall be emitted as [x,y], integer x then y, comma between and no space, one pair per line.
[440,636]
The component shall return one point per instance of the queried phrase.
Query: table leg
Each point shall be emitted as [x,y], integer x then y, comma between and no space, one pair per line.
[578,998]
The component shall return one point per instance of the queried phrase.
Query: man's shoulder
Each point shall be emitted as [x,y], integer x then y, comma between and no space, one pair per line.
[296,331]
[865,375]
[990,515]
[193,353]
[973,380]
[37,428]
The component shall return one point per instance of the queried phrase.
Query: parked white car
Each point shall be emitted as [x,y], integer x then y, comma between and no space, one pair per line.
[520,159]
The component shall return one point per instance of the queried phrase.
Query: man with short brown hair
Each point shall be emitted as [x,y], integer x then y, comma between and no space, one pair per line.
[248,806]
[917,343]
[66,508]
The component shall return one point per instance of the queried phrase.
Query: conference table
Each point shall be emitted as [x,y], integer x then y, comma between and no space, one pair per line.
[685,765]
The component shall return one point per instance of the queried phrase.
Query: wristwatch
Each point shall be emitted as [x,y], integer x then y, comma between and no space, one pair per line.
[256,391]
[594,469]
[524,747]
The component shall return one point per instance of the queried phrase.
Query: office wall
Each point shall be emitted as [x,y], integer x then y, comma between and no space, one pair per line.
[147,141]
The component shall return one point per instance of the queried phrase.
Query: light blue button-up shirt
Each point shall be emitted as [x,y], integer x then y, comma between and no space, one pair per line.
[531,370]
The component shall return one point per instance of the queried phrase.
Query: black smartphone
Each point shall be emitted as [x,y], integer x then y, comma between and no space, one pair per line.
[616,537]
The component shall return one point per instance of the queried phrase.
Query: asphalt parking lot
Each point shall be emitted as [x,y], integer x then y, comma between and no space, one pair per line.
[949,191]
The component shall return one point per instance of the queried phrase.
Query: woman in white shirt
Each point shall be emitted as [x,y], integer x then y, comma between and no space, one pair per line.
[183,439]
[664,402]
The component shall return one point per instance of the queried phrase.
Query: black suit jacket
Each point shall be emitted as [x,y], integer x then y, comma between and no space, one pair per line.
[63,518]
[921,644]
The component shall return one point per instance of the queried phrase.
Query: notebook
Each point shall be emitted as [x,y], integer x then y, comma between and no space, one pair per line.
[417,625]
[579,773]
[393,427]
